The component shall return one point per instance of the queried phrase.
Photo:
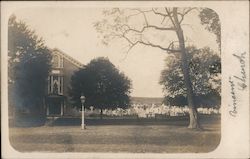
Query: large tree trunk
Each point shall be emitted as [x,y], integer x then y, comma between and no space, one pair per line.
[194,119]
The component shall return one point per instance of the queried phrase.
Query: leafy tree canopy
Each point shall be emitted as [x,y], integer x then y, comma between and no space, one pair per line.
[29,65]
[103,85]
[211,21]
[204,68]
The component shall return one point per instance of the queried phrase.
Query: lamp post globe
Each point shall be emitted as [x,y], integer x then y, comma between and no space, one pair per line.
[82,98]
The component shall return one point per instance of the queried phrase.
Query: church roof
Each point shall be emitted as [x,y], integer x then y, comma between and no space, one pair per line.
[67,57]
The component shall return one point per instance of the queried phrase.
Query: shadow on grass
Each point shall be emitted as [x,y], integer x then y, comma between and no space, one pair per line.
[76,121]
[27,122]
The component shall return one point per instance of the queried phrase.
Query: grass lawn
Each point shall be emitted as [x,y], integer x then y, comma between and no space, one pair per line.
[150,136]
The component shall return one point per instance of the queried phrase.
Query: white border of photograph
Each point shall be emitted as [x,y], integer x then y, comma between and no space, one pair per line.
[234,17]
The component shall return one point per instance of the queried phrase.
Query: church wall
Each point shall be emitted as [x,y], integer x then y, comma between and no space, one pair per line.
[63,67]
[68,71]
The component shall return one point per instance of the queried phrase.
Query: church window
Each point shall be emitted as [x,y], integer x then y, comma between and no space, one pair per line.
[55,88]
[55,61]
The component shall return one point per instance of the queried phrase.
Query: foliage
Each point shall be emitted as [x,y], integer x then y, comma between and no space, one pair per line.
[212,99]
[204,68]
[211,20]
[103,85]
[29,65]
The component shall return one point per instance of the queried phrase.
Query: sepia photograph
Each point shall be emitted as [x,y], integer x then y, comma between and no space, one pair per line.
[118,79]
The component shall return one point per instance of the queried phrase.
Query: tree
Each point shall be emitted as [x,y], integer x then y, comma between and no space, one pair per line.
[29,66]
[204,68]
[135,25]
[103,85]
[211,20]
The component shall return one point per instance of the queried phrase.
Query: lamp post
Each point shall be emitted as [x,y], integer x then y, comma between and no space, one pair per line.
[82,98]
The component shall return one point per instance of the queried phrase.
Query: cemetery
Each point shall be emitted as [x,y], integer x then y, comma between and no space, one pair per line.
[145,111]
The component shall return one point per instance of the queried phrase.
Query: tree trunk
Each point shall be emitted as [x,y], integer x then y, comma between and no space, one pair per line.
[193,114]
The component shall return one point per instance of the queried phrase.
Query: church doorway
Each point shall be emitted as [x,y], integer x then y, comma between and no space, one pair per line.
[55,106]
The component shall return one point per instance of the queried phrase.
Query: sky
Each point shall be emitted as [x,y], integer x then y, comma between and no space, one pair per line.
[71,30]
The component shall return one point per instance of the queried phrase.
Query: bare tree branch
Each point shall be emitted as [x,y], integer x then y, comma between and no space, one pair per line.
[159,13]
[133,44]
[160,47]
[131,15]
[163,19]
[125,29]
[144,15]
[147,27]
[184,13]
[169,15]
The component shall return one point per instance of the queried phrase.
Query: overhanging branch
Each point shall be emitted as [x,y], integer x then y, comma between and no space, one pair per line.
[144,15]
[133,44]
[170,17]
[159,13]
[148,27]
[160,47]
[184,13]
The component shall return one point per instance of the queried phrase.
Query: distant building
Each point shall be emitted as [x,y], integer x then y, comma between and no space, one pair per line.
[57,101]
